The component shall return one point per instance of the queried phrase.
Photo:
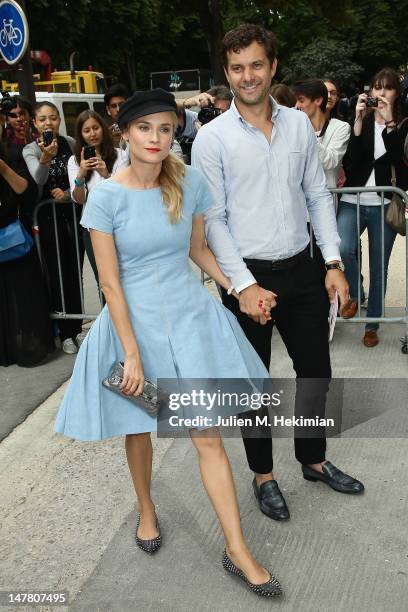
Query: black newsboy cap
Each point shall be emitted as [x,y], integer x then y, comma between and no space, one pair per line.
[145,103]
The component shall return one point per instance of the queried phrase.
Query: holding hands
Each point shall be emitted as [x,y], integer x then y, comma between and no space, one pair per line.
[257,303]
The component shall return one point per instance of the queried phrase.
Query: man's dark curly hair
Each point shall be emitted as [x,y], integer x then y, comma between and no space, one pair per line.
[244,35]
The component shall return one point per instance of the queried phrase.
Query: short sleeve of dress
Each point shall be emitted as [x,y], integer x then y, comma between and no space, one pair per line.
[99,210]
[204,197]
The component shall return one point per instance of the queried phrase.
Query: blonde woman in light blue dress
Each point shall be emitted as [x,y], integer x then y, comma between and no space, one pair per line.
[159,320]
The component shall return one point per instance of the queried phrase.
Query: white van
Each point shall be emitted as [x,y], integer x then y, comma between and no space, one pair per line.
[70,105]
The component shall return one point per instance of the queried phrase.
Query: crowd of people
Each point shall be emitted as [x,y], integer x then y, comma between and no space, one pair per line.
[64,169]
[358,144]
[259,173]
[352,154]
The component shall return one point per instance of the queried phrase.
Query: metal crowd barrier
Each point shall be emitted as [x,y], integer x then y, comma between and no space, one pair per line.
[336,197]
[37,235]
[404,196]
[358,318]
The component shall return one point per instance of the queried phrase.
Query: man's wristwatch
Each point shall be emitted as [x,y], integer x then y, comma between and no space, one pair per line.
[335,265]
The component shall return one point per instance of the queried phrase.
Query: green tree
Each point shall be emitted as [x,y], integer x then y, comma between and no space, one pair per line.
[57,26]
[130,38]
[119,37]
[293,22]
[322,58]
[379,34]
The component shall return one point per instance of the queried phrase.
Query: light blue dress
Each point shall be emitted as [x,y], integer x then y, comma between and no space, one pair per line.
[181,329]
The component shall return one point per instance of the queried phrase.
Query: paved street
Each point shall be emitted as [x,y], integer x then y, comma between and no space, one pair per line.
[68,514]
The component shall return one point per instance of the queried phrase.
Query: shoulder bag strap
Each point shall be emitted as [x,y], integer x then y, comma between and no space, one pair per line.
[393,177]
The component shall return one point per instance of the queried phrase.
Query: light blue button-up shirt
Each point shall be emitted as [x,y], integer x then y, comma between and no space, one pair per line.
[262,191]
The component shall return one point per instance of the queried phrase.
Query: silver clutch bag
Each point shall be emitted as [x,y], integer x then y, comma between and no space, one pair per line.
[148,400]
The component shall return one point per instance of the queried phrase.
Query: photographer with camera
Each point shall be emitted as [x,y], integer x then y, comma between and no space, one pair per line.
[114,98]
[16,127]
[26,336]
[47,162]
[47,158]
[374,155]
[213,103]
[16,131]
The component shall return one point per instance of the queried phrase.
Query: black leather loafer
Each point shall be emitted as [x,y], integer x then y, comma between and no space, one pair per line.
[271,588]
[335,478]
[271,501]
[149,546]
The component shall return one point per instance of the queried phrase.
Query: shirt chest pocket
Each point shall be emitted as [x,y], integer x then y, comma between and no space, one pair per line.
[297,161]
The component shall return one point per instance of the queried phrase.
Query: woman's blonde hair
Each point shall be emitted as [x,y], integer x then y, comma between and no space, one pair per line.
[171,177]
[171,180]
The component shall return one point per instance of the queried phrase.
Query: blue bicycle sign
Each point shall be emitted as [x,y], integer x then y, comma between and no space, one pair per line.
[10,34]
[13,31]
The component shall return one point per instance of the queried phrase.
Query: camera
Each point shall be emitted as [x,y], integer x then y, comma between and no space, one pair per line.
[115,129]
[208,113]
[89,151]
[47,137]
[371,102]
[7,104]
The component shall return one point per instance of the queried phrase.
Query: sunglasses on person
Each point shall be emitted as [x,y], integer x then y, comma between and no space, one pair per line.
[20,115]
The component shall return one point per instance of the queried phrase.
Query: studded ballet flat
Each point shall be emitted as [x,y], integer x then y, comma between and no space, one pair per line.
[149,546]
[271,588]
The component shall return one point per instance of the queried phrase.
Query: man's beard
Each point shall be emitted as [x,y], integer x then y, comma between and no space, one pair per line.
[264,93]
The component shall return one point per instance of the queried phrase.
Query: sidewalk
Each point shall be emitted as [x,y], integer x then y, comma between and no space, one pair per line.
[67,514]
[334,554]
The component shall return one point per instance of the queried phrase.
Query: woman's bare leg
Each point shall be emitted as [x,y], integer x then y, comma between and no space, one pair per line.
[139,453]
[218,481]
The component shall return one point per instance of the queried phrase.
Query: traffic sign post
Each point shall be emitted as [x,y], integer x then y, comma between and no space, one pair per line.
[13,31]
[14,48]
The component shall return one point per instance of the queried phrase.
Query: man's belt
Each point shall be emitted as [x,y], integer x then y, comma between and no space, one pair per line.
[280,264]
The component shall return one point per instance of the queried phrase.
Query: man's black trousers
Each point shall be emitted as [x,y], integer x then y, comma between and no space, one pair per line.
[301,317]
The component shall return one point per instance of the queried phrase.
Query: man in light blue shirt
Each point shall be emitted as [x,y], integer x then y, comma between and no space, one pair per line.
[262,164]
